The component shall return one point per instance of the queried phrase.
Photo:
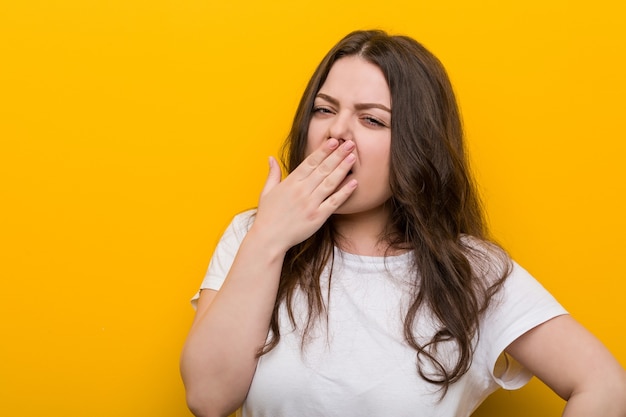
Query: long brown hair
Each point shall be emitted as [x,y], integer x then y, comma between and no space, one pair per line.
[436,211]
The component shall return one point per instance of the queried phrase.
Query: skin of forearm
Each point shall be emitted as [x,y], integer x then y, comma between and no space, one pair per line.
[219,357]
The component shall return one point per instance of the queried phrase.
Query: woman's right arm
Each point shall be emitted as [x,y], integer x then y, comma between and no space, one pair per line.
[219,358]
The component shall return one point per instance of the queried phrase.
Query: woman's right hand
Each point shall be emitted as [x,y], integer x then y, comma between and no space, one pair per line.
[293,209]
[220,354]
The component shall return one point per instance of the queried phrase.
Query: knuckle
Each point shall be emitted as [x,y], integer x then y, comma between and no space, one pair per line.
[330,183]
[312,216]
[335,201]
[311,162]
[324,169]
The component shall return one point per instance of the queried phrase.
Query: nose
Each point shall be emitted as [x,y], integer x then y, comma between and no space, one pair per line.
[341,128]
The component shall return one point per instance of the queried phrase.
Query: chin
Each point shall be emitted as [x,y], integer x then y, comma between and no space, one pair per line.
[347,208]
[355,207]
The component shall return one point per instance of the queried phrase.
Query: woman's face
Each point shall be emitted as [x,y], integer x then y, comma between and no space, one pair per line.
[354,103]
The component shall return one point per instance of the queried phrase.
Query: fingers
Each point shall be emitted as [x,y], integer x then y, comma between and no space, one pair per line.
[314,160]
[328,165]
[336,199]
[296,207]
[329,182]
[273,177]
[325,167]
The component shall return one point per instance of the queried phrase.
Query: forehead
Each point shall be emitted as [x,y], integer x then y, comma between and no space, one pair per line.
[353,79]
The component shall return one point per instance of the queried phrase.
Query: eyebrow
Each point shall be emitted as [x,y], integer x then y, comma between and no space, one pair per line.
[358,106]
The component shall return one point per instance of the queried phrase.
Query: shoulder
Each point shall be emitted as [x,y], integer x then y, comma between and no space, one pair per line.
[521,304]
[234,234]
[241,223]
[245,218]
[490,263]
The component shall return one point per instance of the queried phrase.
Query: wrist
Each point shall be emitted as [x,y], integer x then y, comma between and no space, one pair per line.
[265,243]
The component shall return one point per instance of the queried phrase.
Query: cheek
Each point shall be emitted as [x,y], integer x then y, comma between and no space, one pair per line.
[311,143]
[314,138]
[380,151]
[309,148]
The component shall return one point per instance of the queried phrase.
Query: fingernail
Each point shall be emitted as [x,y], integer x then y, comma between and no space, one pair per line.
[349,145]
[333,143]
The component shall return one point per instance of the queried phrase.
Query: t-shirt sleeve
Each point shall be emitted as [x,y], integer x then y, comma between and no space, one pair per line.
[225,252]
[521,305]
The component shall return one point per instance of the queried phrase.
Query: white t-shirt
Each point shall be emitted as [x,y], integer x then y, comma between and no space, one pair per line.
[360,365]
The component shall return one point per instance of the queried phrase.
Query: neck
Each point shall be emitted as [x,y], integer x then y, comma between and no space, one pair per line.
[363,233]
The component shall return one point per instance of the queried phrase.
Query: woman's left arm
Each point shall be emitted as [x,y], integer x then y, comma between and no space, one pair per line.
[575,365]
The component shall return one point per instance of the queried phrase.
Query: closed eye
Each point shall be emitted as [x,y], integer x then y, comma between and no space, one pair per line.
[373,121]
[322,110]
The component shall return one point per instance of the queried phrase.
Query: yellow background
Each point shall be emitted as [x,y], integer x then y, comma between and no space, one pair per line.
[132,130]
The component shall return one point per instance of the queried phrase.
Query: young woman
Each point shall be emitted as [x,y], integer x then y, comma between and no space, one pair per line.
[364,284]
